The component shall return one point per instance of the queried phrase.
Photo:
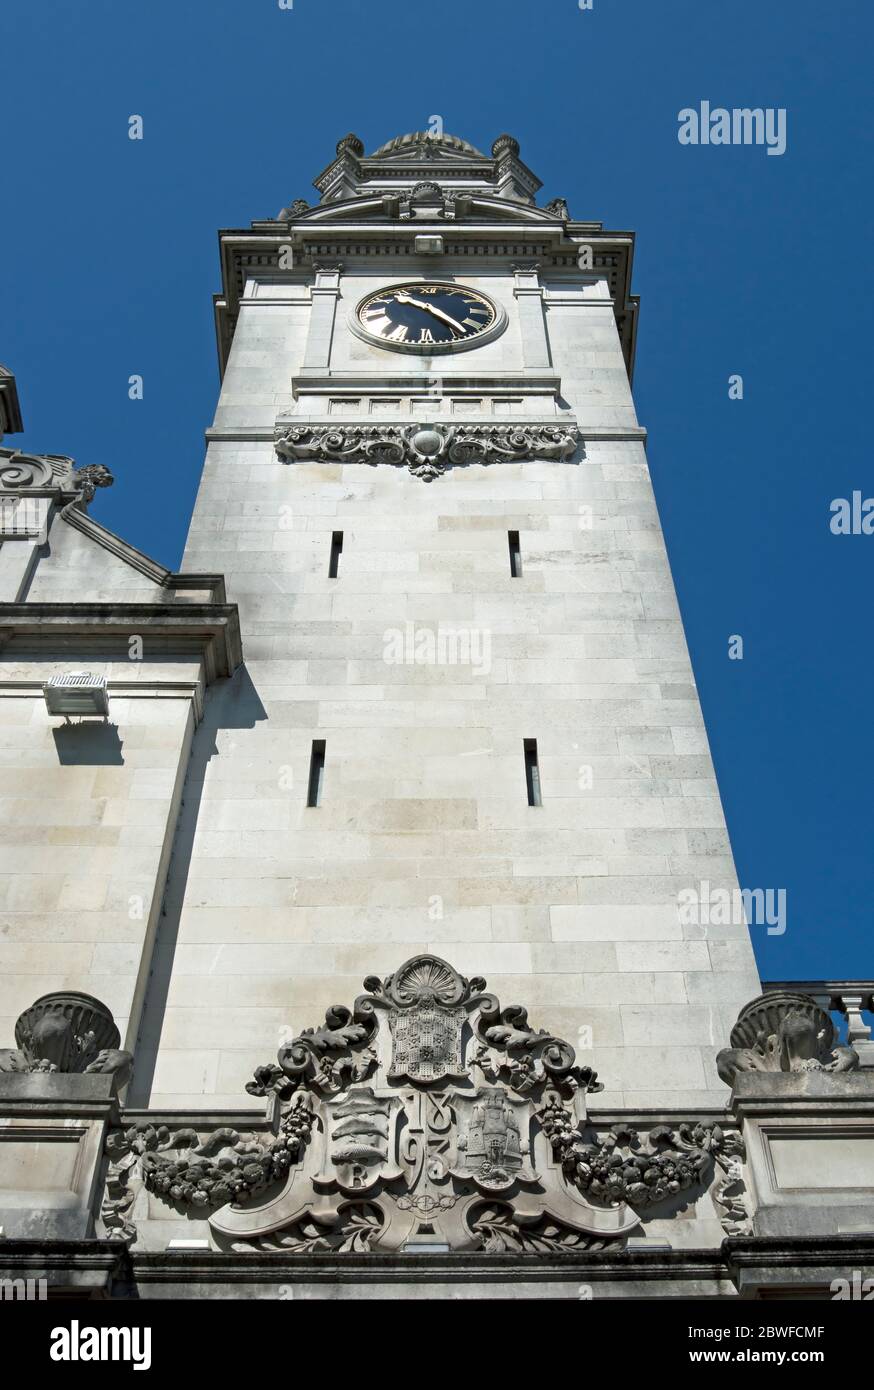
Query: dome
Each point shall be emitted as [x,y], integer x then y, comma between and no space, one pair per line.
[418,137]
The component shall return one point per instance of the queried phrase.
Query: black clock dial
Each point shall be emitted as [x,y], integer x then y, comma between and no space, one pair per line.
[420,316]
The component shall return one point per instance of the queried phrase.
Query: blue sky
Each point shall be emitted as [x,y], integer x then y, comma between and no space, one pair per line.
[745,263]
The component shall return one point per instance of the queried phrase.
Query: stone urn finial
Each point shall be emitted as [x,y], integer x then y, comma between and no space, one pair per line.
[67,1032]
[784,1032]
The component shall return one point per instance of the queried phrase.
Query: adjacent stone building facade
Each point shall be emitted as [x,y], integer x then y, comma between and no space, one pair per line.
[454,772]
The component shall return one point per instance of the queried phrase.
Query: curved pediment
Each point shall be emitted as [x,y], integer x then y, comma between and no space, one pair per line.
[391,204]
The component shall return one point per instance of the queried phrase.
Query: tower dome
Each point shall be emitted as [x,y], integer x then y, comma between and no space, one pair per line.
[419,137]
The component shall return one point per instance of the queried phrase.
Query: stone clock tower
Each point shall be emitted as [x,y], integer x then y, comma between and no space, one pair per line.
[427,489]
[425,784]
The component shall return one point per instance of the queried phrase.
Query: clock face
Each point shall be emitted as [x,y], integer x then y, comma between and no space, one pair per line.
[426,317]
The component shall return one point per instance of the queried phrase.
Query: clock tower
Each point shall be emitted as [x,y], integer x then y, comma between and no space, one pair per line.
[467,723]
[350,937]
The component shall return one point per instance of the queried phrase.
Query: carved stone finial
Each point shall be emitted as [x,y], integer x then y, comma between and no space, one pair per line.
[67,1032]
[295,209]
[784,1032]
[90,478]
[352,144]
[559,208]
[10,409]
[505,144]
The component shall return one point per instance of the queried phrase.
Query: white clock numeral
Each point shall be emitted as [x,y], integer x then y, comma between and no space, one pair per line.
[399,335]
[425,336]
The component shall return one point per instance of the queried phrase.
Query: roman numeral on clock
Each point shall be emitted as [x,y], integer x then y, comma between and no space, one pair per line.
[399,335]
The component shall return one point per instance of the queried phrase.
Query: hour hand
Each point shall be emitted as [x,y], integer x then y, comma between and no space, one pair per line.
[404,298]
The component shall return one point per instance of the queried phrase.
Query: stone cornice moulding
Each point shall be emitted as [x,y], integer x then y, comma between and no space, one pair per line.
[533,382]
[144,564]
[263,434]
[215,628]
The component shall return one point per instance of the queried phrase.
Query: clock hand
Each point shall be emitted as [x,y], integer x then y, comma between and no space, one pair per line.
[403,298]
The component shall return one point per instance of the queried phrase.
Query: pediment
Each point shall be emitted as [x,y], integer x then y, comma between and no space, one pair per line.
[474,207]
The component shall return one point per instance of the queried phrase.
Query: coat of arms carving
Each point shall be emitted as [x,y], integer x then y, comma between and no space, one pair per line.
[426,1112]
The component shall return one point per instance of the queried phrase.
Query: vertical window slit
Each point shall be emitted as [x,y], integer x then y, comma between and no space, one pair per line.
[515,555]
[317,773]
[532,772]
[336,552]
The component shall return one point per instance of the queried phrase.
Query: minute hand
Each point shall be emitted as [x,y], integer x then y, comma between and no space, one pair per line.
[404,298]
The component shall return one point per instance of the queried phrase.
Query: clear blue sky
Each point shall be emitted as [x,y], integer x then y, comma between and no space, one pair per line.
[745,263]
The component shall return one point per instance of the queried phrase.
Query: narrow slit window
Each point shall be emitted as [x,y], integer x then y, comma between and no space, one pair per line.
[515,555]
[317,773]
[532,772]
[336,552]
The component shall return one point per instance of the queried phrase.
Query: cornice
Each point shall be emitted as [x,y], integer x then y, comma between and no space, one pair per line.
[123,690]
[262,434]
[373,1267]
[485,244]
[213,628]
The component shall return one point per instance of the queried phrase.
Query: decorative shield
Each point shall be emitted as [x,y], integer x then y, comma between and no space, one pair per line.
[426,1043]
[429,1003]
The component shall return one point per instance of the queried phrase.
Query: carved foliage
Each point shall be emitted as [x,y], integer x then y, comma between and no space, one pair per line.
[197,1172]
[425,449]
[313,1059]
[351,1231]
[622,1169]
[526,1058]
[729,1191]
[503,1234]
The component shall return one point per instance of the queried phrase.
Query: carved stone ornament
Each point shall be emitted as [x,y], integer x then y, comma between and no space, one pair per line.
[194,1172]
[622,1169]
[20,472]
[729,1192]
[784,1032]
[67,1032]
[295,209]
[425,1112]
[426,449]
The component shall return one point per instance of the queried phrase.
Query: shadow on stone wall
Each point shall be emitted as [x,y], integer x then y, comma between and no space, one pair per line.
[89,745]
[230,704]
